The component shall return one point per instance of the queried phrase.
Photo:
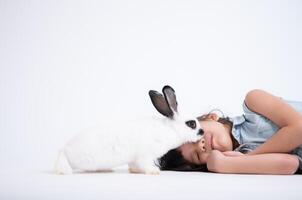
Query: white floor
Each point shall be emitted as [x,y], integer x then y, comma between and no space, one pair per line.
[43,184]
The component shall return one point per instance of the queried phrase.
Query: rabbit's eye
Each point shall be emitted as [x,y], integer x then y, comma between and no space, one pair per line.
[191,124]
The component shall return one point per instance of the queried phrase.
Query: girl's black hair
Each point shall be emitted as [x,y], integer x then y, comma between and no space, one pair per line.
[173,159]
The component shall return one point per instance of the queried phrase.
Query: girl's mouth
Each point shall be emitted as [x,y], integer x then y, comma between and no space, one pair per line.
[209,142]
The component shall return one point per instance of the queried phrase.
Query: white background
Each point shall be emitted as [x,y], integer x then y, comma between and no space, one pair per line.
[67,65]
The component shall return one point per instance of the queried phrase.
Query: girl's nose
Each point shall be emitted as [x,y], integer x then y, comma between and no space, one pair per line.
[201,144]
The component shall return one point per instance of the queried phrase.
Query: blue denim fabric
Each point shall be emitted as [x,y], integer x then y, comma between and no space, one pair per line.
[252,129]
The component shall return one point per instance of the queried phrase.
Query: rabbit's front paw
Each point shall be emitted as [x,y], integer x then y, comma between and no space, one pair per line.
[148,170]
[152,170]
[135,170]
[144,166]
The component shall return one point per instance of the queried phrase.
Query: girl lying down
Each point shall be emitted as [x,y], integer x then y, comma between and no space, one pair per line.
[266,139]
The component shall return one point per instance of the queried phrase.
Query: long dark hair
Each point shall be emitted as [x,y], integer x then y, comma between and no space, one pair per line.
[173,159]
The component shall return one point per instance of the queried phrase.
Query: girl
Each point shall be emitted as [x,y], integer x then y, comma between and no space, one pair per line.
[266,139]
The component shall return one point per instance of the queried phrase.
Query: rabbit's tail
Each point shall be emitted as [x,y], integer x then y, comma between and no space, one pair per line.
[62,165]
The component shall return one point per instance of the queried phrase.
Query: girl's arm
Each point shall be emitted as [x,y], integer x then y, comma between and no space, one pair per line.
[289,136]
[272,163]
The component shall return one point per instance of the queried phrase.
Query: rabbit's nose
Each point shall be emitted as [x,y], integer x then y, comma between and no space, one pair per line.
[200,132]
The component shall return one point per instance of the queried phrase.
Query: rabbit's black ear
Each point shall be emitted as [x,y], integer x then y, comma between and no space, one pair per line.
[160,103]
[170,97]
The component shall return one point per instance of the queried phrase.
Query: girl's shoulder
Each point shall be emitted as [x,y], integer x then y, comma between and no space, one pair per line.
[272,107]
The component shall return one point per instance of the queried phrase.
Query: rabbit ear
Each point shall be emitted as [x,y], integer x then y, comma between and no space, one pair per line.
[160,103]
[170,97]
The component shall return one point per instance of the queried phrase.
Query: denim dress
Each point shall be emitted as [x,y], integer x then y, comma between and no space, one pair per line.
[252,129]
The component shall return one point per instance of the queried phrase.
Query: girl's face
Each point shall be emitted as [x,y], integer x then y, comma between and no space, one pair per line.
[216,136]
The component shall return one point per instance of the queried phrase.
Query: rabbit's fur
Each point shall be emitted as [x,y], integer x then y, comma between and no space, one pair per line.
[139,143]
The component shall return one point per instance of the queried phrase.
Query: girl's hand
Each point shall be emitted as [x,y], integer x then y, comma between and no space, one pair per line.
[233,153]
[215,161]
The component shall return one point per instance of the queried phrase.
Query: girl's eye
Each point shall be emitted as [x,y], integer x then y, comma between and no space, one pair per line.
[191,124]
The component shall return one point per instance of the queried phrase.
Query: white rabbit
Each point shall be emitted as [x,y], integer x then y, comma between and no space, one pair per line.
[139,143]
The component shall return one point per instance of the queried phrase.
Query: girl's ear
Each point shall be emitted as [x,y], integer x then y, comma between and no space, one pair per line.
[160,103]
[213,116]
